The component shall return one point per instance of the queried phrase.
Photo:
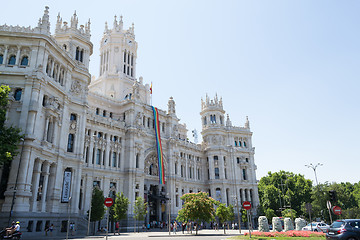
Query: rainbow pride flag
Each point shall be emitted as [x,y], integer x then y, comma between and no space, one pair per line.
[159,146]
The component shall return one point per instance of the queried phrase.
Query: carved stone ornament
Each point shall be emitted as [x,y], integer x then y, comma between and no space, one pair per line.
[76,87]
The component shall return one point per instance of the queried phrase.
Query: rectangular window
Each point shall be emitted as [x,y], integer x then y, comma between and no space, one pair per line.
[98,155]
[225,174]
[216,158]
[244,174]
[177,200]
[238,160]
[70,146]
[87,155]
[217,173]
[114,159]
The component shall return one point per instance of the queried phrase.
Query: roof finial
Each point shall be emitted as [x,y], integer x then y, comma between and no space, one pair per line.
[106,27]
[115,23]
[247,123]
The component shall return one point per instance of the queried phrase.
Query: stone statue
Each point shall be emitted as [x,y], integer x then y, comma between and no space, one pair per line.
[299,223]
[263,224]
[288,225]
[277,226]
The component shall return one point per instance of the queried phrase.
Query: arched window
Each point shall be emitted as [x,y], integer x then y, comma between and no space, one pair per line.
[70,146]
[1,58]
[182,171]
[235,143]
[239,144]
[151,169]
[175,168]
[244,144]
[97,111]
[104,113]
[110,114]
[17,94]
[205,122]
[12,60]
[77,54]
[24,61]
[64,46]
[132,60]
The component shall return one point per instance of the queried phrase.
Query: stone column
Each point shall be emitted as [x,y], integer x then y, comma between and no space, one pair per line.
[17,56]
[5,54]
[51,185]
[35,185]
[45,185]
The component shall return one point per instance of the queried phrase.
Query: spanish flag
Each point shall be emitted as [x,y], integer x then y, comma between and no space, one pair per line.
[151,88]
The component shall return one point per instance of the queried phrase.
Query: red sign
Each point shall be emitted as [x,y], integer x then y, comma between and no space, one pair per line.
[246,205]
[108,202]
[336,210]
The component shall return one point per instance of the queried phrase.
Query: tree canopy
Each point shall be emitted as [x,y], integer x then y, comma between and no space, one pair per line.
[225,213]
[9,136]
[97,205]
[198,207]
[120,206]
[281,190]
[140,209]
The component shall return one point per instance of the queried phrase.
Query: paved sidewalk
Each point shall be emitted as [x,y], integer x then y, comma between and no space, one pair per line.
[206,234]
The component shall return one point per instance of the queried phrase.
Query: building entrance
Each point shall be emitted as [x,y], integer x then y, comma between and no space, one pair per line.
[156,203]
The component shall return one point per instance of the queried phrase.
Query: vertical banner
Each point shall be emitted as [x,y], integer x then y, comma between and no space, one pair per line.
[65,194]
[159,146]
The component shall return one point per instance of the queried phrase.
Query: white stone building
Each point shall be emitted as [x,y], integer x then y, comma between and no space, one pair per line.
[82,132]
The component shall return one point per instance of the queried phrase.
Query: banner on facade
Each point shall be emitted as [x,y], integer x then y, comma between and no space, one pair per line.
[159,146]
[65,194]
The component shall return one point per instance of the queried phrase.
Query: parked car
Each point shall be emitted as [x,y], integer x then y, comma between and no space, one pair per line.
[316,227]
[347,229]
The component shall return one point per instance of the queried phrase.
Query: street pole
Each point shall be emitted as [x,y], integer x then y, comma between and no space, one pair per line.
[68,222]
[16,181]
[107,222]
[313,167]
[169,205]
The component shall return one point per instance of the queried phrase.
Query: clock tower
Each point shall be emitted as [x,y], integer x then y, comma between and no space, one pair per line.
[118,54]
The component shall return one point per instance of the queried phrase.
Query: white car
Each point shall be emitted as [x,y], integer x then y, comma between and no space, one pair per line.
[316,227]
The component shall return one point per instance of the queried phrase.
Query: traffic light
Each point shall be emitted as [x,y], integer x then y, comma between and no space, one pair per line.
[332,195]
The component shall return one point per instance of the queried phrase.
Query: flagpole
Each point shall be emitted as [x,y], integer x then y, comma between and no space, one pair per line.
[151,94]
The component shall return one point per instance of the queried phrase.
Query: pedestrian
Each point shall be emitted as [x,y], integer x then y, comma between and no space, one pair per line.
[51,229]
[46,229]
[175,226]
[183,225]
[117,228]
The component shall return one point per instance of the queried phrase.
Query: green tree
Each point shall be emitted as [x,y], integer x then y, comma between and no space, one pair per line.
[140,209]
[97,205]
[120,207]
[282,188]
[288,213]
[9,136]
[198,207]
[225,214]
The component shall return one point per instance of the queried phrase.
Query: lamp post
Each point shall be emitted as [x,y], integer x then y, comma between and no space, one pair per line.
[68,222]
[313,167]
[16,181]
[235,184]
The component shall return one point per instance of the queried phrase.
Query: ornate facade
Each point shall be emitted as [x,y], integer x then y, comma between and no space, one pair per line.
[82,132]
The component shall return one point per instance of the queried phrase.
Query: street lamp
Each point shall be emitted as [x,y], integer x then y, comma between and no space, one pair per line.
[313,167]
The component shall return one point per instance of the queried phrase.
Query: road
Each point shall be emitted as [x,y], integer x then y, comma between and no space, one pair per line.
[202,235]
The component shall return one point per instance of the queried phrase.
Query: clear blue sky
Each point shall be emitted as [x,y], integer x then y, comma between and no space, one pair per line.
[291,66]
